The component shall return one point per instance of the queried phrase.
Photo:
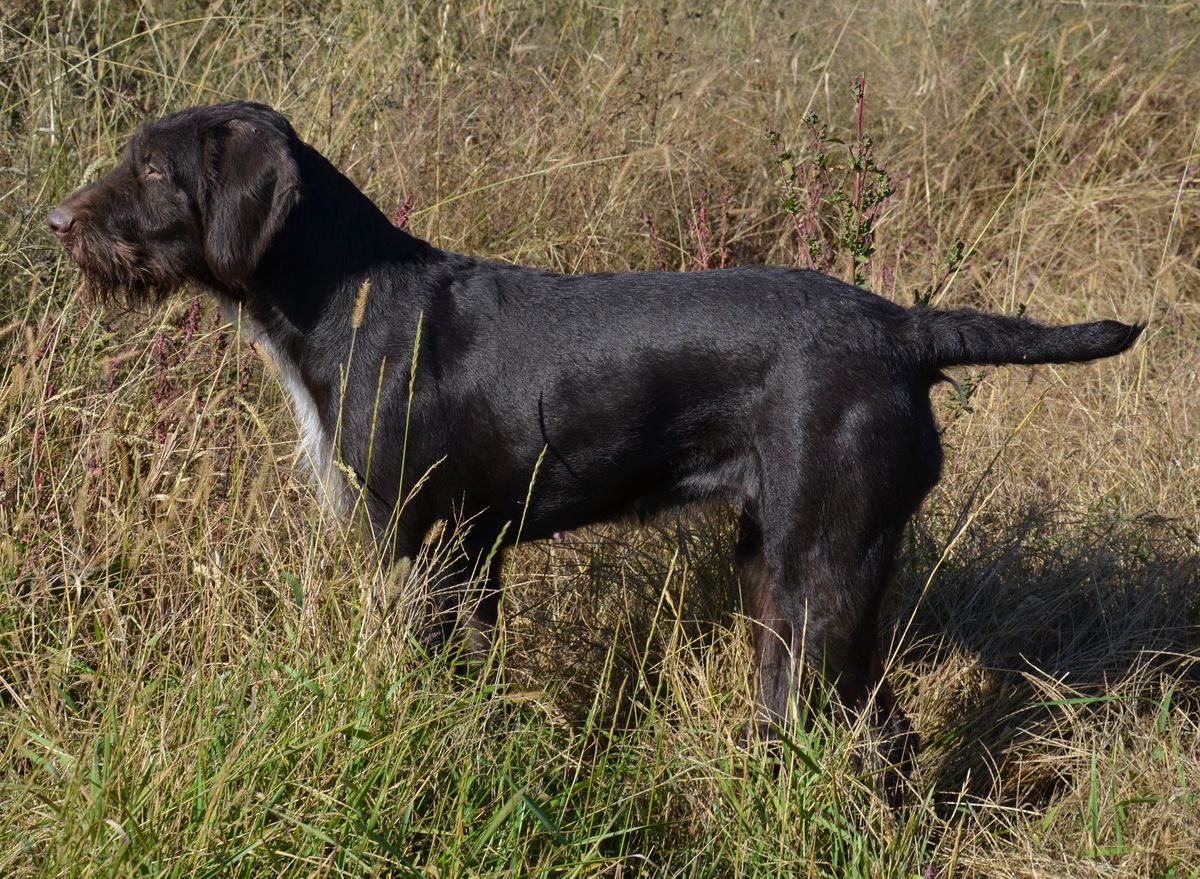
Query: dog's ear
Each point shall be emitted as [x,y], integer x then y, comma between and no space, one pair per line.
[250,183]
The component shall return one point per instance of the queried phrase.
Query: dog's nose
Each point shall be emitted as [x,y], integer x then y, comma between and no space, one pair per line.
[60,220]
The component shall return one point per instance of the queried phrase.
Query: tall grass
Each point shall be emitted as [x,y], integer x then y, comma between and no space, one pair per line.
[198,676]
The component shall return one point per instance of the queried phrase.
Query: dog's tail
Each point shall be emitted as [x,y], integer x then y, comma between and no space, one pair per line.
[966,336]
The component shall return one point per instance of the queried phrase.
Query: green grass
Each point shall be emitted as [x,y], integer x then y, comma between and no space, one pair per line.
[199,674]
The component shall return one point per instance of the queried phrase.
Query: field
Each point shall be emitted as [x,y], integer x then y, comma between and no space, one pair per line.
[199,673]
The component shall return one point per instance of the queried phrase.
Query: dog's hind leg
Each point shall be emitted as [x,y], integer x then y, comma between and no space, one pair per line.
[827,593]
[772,633]
[829,547]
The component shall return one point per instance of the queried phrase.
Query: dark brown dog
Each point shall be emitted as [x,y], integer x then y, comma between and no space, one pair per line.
[799,399]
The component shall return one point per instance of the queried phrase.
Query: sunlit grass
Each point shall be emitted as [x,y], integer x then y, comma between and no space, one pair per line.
[198,673]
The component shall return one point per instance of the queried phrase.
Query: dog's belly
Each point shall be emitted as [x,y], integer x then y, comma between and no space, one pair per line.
[599,463]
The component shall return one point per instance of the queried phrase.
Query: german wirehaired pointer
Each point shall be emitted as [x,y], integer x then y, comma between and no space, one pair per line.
[543,402]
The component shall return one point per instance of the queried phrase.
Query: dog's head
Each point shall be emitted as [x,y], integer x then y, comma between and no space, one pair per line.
[198,197]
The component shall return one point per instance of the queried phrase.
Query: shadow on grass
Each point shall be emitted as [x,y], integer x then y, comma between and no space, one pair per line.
[1033,625]
[599,616]
[1033,629]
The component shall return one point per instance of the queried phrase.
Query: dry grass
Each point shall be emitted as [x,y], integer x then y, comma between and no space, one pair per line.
[193,676]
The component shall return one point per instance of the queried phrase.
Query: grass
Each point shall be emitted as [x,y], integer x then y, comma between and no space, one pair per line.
[196,678]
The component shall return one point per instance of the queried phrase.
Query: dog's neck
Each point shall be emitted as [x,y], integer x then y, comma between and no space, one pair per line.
[319,260]
[301,298]
[301,301]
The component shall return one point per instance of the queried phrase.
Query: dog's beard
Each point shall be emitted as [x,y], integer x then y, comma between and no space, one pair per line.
[120,273]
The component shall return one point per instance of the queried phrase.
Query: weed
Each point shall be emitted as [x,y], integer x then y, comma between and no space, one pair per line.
[834,191]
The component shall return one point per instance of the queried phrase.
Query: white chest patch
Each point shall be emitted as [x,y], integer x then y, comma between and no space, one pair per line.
[316,445]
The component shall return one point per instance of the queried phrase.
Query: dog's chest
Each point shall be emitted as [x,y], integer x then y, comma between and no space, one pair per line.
[316,444]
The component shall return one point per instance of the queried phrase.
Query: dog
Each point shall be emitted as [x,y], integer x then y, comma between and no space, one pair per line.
[542,402]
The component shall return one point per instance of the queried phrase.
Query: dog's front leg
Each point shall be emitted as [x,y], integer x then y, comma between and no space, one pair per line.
[460,590]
